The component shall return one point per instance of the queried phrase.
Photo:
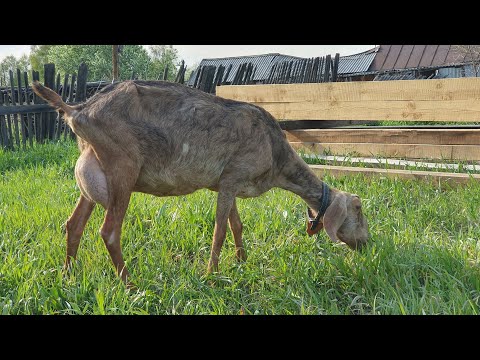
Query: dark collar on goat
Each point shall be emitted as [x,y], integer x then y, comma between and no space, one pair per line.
[323,207]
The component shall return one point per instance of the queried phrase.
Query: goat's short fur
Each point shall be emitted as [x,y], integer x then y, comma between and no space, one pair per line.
[167,139]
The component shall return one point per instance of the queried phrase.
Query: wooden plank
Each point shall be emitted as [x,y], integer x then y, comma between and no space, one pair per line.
[72,87]
[407,151]
[9,124]
[388,136]
[81,92]
[438,111]
[25,109]
[38,117]
[328,60]
[49,81]
[433,177]
[422,100]
[70,100]
[13,102]
[3,127]
[58,121]
[64,87]
[115,62]
[67,129]
[31,132]
[381,162]
[165,73]
[394,90]
[335,67]
[21,117]
[320,70]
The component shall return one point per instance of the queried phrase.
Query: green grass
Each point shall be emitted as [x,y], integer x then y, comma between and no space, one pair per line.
[423,258]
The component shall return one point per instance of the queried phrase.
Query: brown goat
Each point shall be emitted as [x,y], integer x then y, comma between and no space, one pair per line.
[167,139]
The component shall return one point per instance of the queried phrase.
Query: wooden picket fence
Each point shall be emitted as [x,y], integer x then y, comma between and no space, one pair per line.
[26,118]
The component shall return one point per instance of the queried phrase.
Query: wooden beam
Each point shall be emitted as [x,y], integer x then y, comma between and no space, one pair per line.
[387,136]
[408,151]
[375,110]
[391,163]
[24,109]
[429,176]
[115,72]
[412,100]
[393,90]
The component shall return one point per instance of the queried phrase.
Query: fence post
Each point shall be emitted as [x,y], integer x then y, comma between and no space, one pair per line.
[81,92]
[49,80]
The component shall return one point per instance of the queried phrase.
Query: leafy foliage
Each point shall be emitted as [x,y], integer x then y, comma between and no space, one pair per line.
[132,59]
[12,63]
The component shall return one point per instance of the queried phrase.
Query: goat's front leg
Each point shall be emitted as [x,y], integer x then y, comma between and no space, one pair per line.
[236,228]
[75,226]
[225,202]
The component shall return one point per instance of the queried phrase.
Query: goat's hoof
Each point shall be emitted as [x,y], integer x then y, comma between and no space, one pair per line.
[212,268]
[240,255]
[131,286]
[67,267]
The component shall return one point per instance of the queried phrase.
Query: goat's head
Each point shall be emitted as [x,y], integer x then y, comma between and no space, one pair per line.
[343,220]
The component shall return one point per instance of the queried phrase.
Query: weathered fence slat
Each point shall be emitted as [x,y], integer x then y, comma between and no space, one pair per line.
[72,87]
[21,116]
[3,127]
[9,123]
[15,117]
[29,115]
[81,91]
[165,73]
[39,117]
[50,83]
[335,67]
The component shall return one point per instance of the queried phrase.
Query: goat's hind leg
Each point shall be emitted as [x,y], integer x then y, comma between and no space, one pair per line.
[225,203]
[236,227]
[111,233]
[75,226]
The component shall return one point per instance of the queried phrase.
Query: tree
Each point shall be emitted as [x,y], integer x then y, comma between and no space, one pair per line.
[163,56]
[190,71]
[132,59]
[38,57]
[469,54]
[10,62]
[98,58]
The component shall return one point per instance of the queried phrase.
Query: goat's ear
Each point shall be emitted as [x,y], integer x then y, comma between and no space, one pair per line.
[335,215]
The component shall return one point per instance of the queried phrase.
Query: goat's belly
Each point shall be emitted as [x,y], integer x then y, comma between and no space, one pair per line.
[167,183]
[91,179]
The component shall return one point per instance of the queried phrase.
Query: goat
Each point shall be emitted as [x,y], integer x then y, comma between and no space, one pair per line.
[167,139]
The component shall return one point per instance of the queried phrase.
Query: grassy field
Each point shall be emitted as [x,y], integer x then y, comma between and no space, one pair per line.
[423,258]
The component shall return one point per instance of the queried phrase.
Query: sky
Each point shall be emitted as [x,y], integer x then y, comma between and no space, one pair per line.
[193,54]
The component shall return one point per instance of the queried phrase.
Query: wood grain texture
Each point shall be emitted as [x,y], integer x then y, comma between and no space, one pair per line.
[412,100]
[387,136]
[407,151]
[437,178]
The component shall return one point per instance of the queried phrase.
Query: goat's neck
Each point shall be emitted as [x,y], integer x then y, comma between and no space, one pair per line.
[297,177]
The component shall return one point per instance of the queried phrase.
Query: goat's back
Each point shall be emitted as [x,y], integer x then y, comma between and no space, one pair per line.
[181,138]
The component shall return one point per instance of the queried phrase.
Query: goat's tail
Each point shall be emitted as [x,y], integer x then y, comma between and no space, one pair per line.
[52,98]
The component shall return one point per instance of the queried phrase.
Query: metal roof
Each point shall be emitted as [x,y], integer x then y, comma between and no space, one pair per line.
[356,63]
[398,75]
[262,62]
[390,57]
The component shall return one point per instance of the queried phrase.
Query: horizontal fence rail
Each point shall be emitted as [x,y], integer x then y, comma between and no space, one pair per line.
[401,100]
